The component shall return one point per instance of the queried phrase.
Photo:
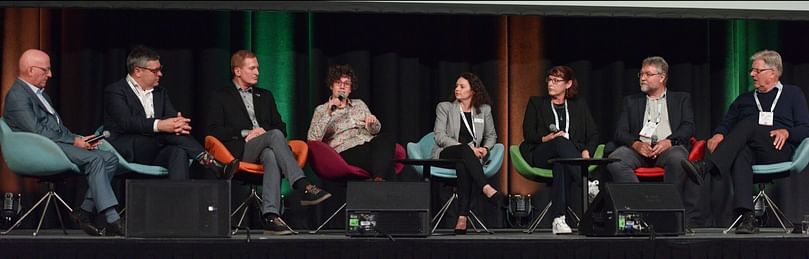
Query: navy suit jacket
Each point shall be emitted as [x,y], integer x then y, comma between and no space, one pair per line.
[126,120]
[681,118]
[227,116]
[24,112]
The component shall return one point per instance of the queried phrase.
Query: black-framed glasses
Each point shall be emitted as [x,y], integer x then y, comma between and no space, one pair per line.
[647,74]
[554,80]
[341,83]
[757,70]
[44,69]
[153,70]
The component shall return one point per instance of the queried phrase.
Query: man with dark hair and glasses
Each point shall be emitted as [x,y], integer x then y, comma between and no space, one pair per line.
[654,131]
[143,124]
[762,126]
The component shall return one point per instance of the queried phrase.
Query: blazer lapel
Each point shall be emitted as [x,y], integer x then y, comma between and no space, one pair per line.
[674,114]
[640,104]
[258,101]
[454,120]
[48,98]
[132,98]
[157,101]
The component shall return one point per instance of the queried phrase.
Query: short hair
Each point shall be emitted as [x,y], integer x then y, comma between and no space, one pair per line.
[660,63]
[771,58]
[238,58]
[139,56]
[566,73]
[481,96]
[338,71]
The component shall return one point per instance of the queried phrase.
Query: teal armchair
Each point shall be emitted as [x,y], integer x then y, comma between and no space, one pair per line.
[32,155]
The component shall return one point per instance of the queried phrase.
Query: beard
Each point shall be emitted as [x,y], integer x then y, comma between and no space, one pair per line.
[645,88]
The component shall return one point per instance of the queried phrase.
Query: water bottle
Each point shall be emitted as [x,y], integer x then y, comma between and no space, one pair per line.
[805,225]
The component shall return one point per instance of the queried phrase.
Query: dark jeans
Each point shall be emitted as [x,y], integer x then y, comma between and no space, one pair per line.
[563,175]
[469,171]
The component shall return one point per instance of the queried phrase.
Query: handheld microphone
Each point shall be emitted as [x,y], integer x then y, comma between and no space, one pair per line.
[94,139]
[340,96]
[553,127]
[654,140]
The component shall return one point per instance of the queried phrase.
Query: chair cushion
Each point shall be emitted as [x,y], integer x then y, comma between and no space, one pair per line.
[328,164]
[649,172]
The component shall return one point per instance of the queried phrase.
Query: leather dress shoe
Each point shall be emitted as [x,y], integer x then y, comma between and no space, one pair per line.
[748,224]
[84,219]
[117,228]
[696,170]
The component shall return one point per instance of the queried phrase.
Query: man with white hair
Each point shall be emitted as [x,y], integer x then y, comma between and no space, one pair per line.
[762,126]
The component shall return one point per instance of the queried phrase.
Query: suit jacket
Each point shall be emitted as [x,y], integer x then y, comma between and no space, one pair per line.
[681,118]
[538,116]
[227,116]
[24,112]
[448,124]
[126,120]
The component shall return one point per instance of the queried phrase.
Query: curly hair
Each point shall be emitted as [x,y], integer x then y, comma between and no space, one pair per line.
[338,71]
[481,96]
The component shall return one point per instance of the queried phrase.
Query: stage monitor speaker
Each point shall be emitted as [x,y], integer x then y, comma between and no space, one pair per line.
[635,209]
[388,209]
[177,208]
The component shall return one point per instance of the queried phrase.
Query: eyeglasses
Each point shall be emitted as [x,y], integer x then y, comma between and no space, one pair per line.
[756,70]
[153,70]
[341,83]
[647,74]
[44,69]
[554,80]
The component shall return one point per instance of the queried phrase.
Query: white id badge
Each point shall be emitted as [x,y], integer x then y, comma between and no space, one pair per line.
[648,130]
[765,118]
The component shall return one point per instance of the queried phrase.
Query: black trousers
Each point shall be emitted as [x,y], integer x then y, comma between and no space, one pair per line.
[169,151]
[563,175]
[469,171]
[380,150]
[745,145]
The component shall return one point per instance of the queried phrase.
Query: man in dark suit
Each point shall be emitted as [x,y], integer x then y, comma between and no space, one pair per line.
[28,108]
[654,130]
[246,119]
[143,124]
[762,126]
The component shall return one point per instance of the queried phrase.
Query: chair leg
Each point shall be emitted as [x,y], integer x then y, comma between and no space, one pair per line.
[777,211]
[573,213]
[474,216]
[329,219]
[59,216]
[245,207]
[44,211]
[535,223]
[440,215]
[26,214]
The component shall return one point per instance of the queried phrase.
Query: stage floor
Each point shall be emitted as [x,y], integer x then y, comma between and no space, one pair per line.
[505,243]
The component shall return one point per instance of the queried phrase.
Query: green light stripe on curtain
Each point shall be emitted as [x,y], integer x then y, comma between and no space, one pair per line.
[744,38]
[272,40]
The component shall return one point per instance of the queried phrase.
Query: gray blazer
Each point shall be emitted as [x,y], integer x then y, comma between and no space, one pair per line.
[24,112]
[447,126]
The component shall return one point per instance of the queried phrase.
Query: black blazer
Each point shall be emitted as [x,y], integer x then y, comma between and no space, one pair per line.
[538,116]
[227,116]
[681,118]
[126,120]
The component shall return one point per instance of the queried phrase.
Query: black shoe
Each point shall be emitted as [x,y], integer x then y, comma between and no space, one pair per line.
[230,169]
[117,228]
[696,170]
[748,224]
[84,219]
[313,195]
[274,225]
[498,199]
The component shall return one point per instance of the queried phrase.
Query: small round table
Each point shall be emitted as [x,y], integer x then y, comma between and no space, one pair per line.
[427,163]
[584,163]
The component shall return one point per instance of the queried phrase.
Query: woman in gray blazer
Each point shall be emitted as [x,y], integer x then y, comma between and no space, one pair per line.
[464,130]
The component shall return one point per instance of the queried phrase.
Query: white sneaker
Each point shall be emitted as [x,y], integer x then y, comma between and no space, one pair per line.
[592,190]
[560,226]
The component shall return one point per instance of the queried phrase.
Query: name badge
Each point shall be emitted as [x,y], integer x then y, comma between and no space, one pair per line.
[477,120]
[648,130]
[765,118]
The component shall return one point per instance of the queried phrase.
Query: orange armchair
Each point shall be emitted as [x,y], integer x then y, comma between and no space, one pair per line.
[252,173]
[697,150]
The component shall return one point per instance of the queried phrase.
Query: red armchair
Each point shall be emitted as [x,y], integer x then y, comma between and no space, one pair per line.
[697,150]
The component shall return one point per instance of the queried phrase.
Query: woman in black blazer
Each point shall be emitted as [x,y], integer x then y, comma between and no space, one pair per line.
[558,125]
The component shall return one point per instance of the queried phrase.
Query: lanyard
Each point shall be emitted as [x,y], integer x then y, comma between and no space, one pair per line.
[659,109]
[567,117]
[772,109]
[466,123]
